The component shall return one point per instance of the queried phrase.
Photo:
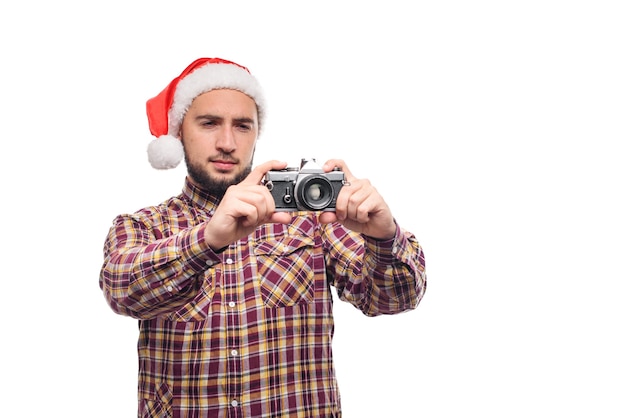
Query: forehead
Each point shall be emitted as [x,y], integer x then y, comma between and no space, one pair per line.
[224,100]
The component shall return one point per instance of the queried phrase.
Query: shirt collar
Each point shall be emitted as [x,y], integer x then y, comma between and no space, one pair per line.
[199,197]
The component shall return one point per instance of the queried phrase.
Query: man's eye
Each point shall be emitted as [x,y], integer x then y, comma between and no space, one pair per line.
[208,123]
[245,126]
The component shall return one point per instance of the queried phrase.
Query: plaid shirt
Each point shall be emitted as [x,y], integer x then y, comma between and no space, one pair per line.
[246,332]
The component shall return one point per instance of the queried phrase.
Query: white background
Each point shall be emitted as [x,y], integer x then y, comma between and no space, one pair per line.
[494,130]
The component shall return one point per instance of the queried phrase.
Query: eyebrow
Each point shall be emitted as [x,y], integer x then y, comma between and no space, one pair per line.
[221,118]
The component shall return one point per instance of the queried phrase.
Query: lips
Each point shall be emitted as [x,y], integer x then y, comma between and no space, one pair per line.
[223,165]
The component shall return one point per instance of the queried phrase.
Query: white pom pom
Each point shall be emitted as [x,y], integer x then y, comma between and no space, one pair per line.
[165,152]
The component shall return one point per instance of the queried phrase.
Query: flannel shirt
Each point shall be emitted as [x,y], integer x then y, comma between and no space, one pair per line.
[246,332]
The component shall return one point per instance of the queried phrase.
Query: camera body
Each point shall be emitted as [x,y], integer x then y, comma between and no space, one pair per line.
[308,188]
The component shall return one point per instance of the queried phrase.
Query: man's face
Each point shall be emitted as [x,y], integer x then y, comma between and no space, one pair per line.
[219,133]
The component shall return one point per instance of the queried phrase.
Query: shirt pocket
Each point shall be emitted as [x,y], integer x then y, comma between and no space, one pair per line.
[285,271]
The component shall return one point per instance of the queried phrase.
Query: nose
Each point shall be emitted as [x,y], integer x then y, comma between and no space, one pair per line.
[226,141]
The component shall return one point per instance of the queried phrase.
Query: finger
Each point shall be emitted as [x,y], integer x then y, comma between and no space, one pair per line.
[259,197]
[247,214]
[364,209]
[358,201]
[281,217]
[358,209]
[340,164]
[270,205]
[345,199]
[257,174]
[328,217]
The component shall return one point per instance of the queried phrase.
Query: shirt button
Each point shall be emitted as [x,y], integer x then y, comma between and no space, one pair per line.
[231,304]
[229,261]
[170,288]
[234,353]
[234,402]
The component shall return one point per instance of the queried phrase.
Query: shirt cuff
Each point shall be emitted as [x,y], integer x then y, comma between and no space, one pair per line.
[196,252]
[385,250]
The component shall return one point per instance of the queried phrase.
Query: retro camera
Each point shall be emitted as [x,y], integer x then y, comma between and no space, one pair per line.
[308,188]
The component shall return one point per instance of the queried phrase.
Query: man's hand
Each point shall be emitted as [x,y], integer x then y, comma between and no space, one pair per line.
[243,208]
[359,206]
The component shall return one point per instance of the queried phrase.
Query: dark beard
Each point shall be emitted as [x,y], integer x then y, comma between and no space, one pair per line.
[215,186]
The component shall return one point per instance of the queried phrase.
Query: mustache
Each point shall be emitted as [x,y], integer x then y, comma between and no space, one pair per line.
[223,157]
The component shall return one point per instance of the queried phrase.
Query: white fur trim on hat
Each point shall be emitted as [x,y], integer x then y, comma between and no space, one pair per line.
[165,152]
[211,77]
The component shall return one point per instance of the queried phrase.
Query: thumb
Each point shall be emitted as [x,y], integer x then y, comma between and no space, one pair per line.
[257,174]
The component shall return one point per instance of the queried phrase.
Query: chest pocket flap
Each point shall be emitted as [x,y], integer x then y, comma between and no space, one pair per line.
[285,271]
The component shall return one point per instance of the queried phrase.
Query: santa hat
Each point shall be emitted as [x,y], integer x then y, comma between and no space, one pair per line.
[167,110]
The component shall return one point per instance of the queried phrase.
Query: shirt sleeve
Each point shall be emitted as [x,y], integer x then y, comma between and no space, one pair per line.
[376,276]
[145,274]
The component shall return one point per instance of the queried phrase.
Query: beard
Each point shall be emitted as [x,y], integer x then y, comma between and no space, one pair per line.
[213,185]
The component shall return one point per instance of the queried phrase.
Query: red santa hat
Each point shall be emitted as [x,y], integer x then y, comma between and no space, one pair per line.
[167,110]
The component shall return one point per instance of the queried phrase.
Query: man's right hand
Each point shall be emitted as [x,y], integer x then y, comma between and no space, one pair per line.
[243,208]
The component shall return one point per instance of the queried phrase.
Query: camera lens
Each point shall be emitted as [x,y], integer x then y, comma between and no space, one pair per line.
[314,193]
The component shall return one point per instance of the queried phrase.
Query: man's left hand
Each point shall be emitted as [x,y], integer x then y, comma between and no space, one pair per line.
[359,206]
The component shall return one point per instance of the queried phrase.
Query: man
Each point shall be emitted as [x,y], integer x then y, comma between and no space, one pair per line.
[233,297]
